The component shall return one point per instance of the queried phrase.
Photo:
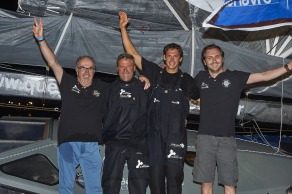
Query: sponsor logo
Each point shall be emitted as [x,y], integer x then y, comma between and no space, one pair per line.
[226,83]
[177,145]
[75,89]
[140,164]
[204,85]
[175,102]
[172,154]
[156,100]
[125,94]
[95,93]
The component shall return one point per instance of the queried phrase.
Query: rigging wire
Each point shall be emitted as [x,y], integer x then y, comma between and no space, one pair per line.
[258,130]
[281,124]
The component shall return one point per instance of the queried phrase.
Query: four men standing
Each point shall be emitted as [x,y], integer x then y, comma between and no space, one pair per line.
[128,120]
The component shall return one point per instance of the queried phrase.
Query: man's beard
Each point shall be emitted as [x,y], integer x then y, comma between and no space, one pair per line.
[217,70]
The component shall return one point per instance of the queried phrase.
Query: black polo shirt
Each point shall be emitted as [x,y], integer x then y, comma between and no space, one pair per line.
[219,99]
[81,111]
[125,114]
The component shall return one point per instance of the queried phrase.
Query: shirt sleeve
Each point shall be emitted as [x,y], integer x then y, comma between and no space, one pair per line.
[192,90]
[150,70]
[243,77]
[65,80]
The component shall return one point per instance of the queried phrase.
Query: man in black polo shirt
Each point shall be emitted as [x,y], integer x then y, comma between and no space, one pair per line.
[220,91]
[125,131]
[80,123]
[168,110]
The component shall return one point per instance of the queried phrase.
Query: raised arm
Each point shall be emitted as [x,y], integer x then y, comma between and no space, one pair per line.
[269,75]
[38,32]
[128,45]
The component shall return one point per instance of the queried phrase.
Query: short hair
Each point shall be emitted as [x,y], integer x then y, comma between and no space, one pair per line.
[172,46]
[83,57]
[126,56]
[211,46]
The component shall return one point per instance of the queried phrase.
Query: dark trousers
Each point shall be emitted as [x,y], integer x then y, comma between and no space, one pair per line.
[137,159]
[166,170]
[174,178]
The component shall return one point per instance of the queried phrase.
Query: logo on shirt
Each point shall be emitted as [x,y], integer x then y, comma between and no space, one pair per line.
[226,83]
[177,145]
[75,89]
[95,93]
[175,102]
[124,94]
[172,154]
[204,86]
[156,100]
[140,164]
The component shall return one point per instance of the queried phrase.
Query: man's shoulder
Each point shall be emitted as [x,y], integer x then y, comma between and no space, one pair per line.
[100,84]
[199,74]
[236,73]
[144,60]
[66,75]
[68,79]
[187,75]
[137,84]
[149,65]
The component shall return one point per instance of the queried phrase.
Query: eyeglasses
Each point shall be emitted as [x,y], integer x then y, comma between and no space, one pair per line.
[82,68]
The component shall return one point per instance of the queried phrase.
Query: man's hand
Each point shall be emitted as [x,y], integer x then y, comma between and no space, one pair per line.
[38,29]
[143,78]
[124,20]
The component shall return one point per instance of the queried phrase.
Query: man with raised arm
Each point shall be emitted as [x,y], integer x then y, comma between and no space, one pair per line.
[80,125]
[168,110]
[220,91]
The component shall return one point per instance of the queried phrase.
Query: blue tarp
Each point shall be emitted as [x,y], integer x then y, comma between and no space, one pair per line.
[251,15]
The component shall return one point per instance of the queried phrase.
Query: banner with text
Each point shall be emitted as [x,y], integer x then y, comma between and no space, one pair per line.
[250,15]
[24,85]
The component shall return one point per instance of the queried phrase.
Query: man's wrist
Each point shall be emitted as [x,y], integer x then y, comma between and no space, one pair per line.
[287,68]
[138,76]
[41,38]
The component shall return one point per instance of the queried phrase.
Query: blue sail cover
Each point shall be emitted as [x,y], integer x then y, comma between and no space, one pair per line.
[250,15]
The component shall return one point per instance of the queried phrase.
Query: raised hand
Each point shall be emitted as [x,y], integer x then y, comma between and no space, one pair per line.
[37,28]
[124,20]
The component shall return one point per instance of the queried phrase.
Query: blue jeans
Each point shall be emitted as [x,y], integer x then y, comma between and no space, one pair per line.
[70,155]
